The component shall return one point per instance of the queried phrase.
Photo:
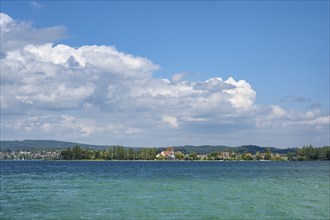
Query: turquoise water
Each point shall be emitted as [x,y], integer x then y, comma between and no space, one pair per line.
[164,190]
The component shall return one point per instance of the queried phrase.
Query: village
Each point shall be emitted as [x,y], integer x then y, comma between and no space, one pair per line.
[168,154]
[119,153]
[27,155]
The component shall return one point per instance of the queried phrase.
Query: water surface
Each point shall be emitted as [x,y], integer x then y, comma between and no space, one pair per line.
[164,190]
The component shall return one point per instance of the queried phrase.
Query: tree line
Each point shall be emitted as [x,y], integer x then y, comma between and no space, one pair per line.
[311,153]
[122,153]
[114,153]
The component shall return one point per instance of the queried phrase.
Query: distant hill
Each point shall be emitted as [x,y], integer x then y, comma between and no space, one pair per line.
[206,149]
[42,144]
[33,145]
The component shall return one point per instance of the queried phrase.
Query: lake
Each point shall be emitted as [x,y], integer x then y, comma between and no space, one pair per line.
[164,190]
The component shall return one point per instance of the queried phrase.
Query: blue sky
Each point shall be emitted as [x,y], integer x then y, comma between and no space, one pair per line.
[280,49]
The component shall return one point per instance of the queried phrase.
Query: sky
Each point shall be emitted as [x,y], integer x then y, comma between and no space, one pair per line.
[142,73]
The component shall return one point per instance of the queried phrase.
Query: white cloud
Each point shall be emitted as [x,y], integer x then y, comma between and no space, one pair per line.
[277,111]
[178,77]
[4,21]
[15,35]
[170,120]
[242,95]
[103,95]
[67,126]
[36,5]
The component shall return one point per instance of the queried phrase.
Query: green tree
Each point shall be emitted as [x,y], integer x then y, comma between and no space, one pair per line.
[90,155]
[258,155]
[67,154]
[193,155]
[77,153]
[147,153]
[160,157]
[186,157]
[178,155]
[247,156]
[268,154]
[291,155]
[214,156]
[110,154]
[119,152]
[327,154]
[130,154]
[98,155]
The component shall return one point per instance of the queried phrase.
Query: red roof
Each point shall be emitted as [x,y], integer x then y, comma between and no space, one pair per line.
[166,153]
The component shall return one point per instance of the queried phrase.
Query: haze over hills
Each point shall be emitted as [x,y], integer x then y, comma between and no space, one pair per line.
[42,144]
[33,145]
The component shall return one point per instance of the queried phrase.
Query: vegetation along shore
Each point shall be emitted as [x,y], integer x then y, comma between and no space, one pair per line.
[56,150]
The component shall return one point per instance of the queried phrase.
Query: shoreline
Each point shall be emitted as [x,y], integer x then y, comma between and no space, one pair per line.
[166,161]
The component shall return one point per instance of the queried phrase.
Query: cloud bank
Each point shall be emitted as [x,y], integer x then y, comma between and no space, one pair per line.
[98,94]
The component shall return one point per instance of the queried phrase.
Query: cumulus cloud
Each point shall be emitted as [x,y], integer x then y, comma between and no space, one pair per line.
[64,77]
[100,94]
[15,35]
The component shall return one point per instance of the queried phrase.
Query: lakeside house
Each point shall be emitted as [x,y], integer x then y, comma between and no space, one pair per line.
[202,156]
[224,156]
[168,154]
